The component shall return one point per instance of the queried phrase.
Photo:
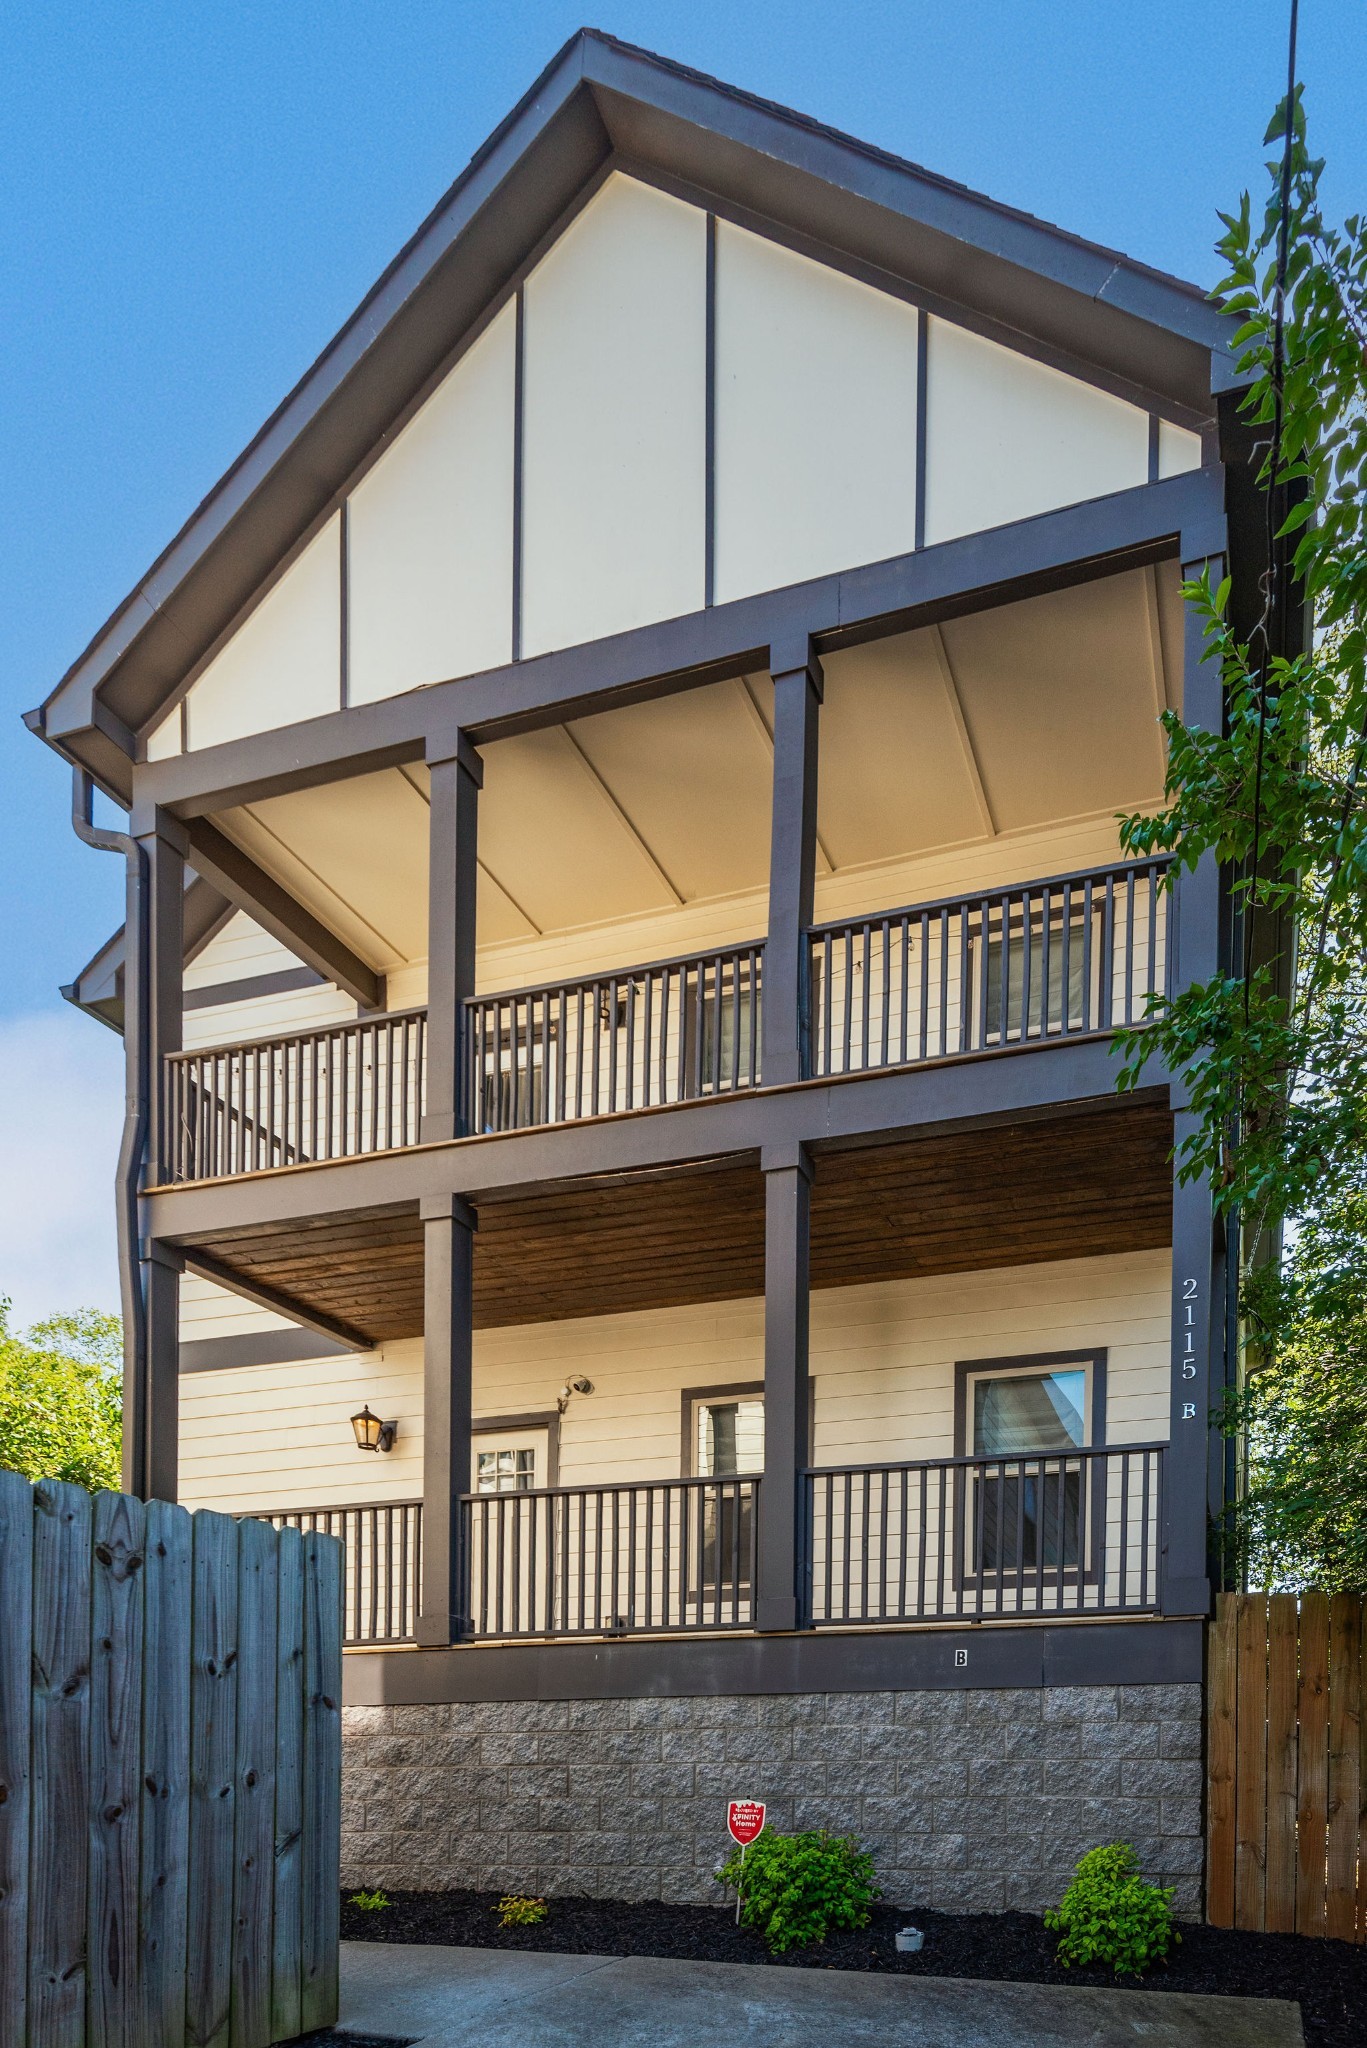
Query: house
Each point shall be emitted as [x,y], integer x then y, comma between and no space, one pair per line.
[628,922]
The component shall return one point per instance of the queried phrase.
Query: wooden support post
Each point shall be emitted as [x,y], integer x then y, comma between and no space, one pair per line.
[1193,1486]
[161,999]
[448,1269]
[792,861]
[158,1470]
[780,1597]
[454,848]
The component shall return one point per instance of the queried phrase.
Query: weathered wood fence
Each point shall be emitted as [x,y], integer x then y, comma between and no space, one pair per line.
[170,1774]
[1285,1764]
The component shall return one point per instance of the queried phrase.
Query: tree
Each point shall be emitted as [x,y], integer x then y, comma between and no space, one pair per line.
[61,1398]
[1273,1052]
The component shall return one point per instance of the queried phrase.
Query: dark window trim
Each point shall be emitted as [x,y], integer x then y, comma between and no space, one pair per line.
[1094,1436]
[745,1391]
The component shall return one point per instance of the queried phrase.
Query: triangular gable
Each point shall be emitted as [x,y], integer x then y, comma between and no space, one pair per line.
[600,106]
[704,414]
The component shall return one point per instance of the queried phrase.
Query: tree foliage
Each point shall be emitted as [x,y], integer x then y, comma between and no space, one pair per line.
[61,1398]
[1273,1052]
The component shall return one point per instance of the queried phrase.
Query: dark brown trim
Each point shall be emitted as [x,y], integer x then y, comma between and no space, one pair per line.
[259,1347]
[208,1267]
[710,418]
[1081,1653]
[519,450]
[252,987]
[237,876]
[922,417]
[746,1390]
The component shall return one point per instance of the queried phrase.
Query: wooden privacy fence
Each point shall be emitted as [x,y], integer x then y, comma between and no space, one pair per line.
[170,1774]
[1286,1771]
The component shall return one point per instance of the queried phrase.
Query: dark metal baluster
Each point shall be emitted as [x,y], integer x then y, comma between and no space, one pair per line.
[1039,1547]
[1123,1551]
[1045,956]
[648,1042]
[612,1044]
[1088,954]
[1107,988]
[1151,979]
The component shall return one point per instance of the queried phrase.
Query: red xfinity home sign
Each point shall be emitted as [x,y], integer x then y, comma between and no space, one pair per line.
[745,1820]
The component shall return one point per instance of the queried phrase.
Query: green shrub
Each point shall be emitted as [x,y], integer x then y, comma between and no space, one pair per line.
[796,1887]
[1109,1915]
[369,1902]
[515,1911]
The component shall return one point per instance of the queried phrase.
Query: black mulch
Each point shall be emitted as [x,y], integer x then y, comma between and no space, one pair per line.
[340,2037]
[1327,1978]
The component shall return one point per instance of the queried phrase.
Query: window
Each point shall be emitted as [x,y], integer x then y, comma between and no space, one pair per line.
[505,1471]
[1063,962]
[1024,1507]
[726,1439]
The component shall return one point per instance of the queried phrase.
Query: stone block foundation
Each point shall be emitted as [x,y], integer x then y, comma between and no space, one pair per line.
[970,1801]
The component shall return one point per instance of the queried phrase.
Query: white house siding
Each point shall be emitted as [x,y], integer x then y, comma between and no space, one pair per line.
[883,1358]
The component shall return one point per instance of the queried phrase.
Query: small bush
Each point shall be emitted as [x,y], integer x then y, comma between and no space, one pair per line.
[796,1887]
[515,1911]
[369,1902]
[1109,1915]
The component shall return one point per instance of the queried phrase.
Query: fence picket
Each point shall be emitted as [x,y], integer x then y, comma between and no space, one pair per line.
[114,2015]
[289,1787]
[16,1663]
[1222,1708]
[213,1739]
[1345,1629]
[165,1845]
[60,1740]
[1312,1791]
[1283,1651]
[254,1797]
[1250,1801]
[322,1781]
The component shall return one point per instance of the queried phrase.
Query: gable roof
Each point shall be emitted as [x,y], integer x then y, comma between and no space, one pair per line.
[599,102]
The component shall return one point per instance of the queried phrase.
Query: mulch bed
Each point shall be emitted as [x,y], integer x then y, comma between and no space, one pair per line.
[1327,1978]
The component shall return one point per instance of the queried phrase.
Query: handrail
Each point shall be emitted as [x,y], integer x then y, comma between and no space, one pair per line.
[1161,861]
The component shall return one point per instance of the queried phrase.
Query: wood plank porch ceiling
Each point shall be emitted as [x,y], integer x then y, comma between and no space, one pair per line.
[1017,1195]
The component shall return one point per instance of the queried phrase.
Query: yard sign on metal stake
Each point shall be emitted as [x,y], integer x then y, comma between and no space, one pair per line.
[744,1820]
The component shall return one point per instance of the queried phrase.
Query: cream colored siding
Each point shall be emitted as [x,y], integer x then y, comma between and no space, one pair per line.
[242,952]
[883,1360]
[430,534]
[816,418]
[208,1311]
[164,740]
[615,353]
[1007,437]
[284,663]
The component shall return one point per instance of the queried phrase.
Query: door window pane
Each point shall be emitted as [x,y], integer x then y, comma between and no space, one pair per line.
[510,1471]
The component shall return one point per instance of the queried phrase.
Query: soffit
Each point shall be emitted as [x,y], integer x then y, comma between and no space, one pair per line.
[1005,721]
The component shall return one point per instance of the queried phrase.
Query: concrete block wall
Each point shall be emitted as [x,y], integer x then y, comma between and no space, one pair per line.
[972,1801]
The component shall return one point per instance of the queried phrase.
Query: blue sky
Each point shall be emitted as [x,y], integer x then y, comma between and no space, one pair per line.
[197,196]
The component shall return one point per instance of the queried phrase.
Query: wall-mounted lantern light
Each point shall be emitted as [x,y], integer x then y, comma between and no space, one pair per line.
[575,1386]
[371,1433]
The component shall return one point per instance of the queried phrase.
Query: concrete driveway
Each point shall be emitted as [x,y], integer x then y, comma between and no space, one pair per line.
[459,1997]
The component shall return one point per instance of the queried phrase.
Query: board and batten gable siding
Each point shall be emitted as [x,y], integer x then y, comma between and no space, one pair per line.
[883,1358]
[812,427]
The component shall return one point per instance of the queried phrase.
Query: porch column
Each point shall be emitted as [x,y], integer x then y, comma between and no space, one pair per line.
[153,1010]
[456,776]
[1194,1458]
[780,1598]
[448,1226]
[792,860]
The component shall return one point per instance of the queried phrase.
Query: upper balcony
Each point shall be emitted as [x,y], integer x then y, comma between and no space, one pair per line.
[1059,959]
[658,905]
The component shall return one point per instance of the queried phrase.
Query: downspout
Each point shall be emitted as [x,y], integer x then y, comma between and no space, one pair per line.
[133,1146]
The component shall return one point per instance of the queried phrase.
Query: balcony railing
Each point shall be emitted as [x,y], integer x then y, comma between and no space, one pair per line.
[1034,965]
[639,1558]
[333,1093]
[382,1544]
[1031,965]
[634,1039]
[1072,1533]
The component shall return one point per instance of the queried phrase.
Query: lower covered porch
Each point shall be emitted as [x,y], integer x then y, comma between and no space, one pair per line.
[915,1383]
